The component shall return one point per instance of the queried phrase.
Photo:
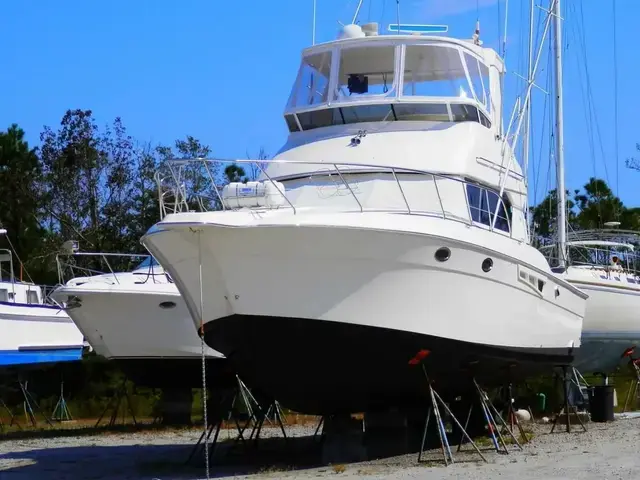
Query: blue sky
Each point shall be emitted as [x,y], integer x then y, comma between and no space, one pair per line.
[222,71]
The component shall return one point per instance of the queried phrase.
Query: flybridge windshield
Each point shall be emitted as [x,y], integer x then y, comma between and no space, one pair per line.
[367,71]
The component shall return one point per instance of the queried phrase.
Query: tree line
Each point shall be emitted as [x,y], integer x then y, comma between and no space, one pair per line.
[85,183]
[95,185]
[588,208]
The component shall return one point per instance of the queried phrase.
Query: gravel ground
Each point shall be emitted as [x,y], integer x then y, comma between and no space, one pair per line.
[606,451]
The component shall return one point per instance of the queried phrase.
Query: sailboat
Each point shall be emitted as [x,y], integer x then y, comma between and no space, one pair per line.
[33,328]
[601,262]
[391,222]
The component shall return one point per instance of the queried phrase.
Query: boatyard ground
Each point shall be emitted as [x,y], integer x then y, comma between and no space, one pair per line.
[606,451]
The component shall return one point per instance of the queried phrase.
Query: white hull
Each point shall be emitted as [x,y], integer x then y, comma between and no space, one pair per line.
[125,321]
[380,278]
[611,322]
[37,334]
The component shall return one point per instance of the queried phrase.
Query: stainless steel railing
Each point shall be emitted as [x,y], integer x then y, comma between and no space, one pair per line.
[90,264]
[191,185]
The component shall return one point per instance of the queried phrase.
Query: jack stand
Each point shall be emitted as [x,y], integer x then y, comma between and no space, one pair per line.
[275,414]
[566,382]
[222,410]
[257,428]
[226,409]
[116,400]
[29,404]
[634,364]
[315,434]
[435,400]
[513,418]
[11,415]
[490,414]
[61,411]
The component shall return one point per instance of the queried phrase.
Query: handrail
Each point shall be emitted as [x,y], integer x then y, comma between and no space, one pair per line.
[68,269]
[598,258]
[181,201]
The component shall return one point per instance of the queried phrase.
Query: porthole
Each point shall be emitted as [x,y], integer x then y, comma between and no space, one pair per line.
[167,305]
[487,265]
[443,254]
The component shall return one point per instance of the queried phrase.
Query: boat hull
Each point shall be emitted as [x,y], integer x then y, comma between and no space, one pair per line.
[133,321]
[363,368]
[276,296]
[611,326]
[37,334]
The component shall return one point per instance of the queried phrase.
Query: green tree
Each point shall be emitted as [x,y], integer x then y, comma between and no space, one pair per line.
[597,205]
[198,178]
[20,198]
[589,208]
[545,214]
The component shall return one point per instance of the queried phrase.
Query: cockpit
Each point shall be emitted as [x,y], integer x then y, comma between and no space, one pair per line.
[395,78]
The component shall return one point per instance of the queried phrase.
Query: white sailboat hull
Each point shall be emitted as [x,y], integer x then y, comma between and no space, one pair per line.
[611,322]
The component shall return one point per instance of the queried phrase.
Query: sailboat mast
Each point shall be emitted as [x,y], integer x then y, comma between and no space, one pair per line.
[561,191]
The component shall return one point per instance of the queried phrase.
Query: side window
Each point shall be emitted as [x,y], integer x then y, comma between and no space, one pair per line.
[503,220]
[32,297]
[478,204]
[4,295]
[482,205]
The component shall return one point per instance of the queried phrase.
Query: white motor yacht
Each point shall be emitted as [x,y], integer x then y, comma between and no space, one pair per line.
[390,223]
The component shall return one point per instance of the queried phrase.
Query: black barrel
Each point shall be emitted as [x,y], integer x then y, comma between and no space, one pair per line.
[601,403]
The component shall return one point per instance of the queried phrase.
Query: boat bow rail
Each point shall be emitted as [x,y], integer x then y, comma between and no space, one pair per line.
[112,268]
[188,185]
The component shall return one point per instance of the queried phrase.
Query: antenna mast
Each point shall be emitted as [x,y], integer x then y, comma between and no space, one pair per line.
[560,189]
[313,32]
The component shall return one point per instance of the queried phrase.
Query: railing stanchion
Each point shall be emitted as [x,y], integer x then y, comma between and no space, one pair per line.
[349,187]
[435,183]
[393,171]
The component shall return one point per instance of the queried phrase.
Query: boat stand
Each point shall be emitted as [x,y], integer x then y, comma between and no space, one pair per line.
[513,418]
[278,416]
[31,405]
[634,364]
[114,402]
[226,409]
[567,409]
[61,411]
[14,419]
[434,409]
[317,431]
[490,414]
